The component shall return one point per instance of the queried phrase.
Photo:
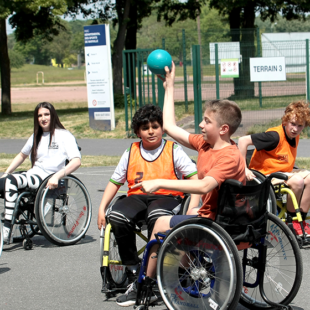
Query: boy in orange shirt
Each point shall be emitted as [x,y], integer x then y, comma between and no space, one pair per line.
[218,159]
[276,151]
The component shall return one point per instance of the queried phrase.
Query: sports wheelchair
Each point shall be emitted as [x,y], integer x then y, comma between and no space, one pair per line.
[277,204]
[199,265]
[61,215]
[114,278]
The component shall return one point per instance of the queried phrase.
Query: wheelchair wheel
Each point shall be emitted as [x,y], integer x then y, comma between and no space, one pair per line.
[272,201]
[1,237]
[284,268]
[63,214]
[198,267]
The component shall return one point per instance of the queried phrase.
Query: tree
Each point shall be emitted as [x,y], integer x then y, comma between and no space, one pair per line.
[242,18]
[17,60]
[28,17]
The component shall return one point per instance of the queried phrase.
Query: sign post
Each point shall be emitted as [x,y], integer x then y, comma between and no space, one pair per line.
[99,77]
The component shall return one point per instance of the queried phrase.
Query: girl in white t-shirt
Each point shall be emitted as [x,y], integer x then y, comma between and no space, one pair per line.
[49,147]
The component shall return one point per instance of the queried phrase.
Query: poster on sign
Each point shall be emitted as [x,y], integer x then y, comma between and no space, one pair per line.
[266,69]
[230,67]
[99,77]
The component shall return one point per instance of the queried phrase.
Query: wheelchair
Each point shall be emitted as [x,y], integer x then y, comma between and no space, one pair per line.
[199,265]
[114,278]
[277,203]
[61,215]
[1,238]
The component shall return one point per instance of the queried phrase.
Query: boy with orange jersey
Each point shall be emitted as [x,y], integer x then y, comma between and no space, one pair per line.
[218,159]
[276,151]
[149,159]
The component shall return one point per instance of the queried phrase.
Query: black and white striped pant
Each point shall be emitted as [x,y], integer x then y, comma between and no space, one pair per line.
[9,187]
[128,212]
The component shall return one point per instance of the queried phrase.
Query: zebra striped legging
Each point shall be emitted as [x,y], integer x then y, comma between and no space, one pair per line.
[9,187]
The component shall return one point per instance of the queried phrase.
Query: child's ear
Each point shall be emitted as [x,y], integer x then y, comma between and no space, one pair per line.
[224,129]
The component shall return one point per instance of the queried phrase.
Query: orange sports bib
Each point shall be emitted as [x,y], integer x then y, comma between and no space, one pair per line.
[282,158]
[140,169]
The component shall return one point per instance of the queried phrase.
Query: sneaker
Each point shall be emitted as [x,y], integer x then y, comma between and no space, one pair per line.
[307,228]
[297,228]
[6,232]
[130,296]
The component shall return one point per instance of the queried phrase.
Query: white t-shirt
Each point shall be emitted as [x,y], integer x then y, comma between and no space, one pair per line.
[52,158]
[182,163]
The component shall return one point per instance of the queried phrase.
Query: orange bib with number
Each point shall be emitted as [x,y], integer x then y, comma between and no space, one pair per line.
[140,169]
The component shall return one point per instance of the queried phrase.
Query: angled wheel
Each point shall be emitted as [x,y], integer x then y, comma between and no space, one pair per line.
[272,201]
[198,267]
[63,214]
[116,276]
[1,237]
[284,268]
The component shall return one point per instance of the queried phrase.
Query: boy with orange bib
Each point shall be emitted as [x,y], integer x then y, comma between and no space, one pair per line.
[149,159]
[276,151]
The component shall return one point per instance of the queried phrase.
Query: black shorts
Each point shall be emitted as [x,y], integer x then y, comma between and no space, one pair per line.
[176,219]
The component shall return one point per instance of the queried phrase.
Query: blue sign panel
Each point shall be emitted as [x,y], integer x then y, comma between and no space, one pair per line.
[94,35]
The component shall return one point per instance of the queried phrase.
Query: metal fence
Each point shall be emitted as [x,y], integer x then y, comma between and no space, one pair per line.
[261,102]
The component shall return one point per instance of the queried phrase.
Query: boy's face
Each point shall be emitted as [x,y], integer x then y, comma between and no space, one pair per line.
[210,128]
[151,135]
[294,127]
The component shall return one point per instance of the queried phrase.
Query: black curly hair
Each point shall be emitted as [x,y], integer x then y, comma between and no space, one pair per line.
[148,113]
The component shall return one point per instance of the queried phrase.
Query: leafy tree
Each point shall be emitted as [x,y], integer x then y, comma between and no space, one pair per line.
[28,17]
[17,59]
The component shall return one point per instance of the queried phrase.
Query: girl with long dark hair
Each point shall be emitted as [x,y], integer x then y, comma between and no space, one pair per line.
[49,147]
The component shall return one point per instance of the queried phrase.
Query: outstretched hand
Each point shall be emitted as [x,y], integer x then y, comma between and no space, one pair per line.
[169,76]
[148,187]
[249,174]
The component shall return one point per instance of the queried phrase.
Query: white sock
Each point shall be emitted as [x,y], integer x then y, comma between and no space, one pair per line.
[133,268]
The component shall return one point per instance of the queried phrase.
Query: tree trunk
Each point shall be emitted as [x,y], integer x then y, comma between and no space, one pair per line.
[5,71]
[247,48]
[131,44]
[118,47]
[235,23]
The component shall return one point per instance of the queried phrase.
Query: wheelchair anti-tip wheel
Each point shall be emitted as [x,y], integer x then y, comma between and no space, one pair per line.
[272,201]
[284,268]
[63,214]
[199,267]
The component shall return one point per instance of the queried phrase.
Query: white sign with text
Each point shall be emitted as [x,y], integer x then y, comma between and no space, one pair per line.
[264,69]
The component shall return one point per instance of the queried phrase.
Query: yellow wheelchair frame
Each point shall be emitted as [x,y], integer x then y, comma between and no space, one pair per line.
[112,284]
[280,191]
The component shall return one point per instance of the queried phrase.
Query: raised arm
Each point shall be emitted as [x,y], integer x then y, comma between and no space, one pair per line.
[170,126]
[243,144]
[16,162]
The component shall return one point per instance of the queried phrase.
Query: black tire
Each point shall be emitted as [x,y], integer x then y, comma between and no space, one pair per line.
[27,244]
[284,268]
[198,266]
[272,201]
[63,214]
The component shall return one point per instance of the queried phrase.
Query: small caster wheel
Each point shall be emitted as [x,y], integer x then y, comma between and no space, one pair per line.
[141,307]
[27,244]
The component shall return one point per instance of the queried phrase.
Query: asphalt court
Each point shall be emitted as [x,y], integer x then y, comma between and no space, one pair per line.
[51,277]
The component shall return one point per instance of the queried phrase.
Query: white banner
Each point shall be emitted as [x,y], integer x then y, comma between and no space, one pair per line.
[99,77]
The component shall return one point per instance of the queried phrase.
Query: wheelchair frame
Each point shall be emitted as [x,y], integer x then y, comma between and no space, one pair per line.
[33,221]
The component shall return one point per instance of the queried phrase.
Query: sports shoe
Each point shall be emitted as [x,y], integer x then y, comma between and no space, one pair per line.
[297,228]
[307,228]
[130,296]
[6,232]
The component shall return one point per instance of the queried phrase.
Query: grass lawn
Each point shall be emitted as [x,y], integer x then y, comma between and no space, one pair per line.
[28,74]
